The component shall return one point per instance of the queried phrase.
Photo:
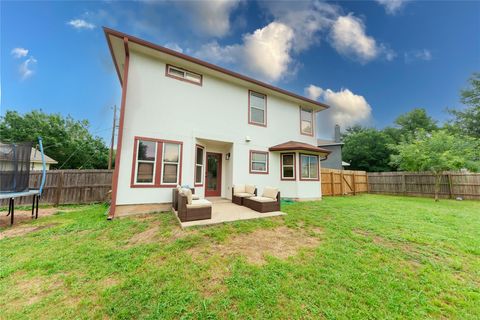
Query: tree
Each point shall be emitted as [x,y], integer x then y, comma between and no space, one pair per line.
[367,149]
[437,152]
[413,121]
[467,121]
[66,140]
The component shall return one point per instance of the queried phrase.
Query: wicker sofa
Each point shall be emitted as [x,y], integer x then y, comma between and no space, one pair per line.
[268,202]
[175,192]
[240,192]
[195,210]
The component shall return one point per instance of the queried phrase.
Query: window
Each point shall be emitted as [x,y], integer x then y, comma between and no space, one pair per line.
[288,166]
[257,108]
[156,163]
[309,167]
[258,162]
[171,160]
[182,74]
[146,158]
[306,121]
[199,165]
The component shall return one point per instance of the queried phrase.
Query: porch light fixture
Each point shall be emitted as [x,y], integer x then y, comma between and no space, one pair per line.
[247,139]
[227,156]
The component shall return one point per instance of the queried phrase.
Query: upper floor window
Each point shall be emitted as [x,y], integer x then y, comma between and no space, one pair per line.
[156,163]
[258,162]
[306,121]
[257,108]
[308,167]
[184,75]
[288,166]
[199,150]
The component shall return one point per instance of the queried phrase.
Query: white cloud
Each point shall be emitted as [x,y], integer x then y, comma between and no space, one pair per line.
[265,53]
[19,52]
[348,37]
[211,17]
[416,55]
[81,24]
[26,68]
[173,46]
[347,109]
[392,6]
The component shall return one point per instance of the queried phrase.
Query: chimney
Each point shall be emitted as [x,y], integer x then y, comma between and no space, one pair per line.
[337,133]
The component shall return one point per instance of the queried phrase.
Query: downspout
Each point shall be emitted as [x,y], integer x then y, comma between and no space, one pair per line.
[116,170]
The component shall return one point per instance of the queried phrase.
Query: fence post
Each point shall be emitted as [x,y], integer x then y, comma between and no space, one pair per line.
[450,185]
[59,189]
[341,183]
[404,184]
[353,184]
[332,182]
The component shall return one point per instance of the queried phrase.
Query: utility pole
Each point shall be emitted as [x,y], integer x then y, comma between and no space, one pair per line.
[110,154]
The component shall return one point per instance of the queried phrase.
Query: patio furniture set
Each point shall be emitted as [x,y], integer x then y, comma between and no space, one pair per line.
[190,207]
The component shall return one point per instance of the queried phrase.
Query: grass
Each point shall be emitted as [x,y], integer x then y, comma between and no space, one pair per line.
[376,257]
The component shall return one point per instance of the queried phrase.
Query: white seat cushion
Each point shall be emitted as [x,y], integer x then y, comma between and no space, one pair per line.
[249,188]
[243,194]
[270,192]
[201,203]
[195,197]
[239,188]
[262,199]
[187,193]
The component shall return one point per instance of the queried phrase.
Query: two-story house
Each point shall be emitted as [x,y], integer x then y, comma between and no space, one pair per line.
[185,121]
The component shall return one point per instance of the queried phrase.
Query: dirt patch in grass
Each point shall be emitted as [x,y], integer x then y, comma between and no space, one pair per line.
[26,215]
[17,231]
[35,289]
[147,236]
[281,242]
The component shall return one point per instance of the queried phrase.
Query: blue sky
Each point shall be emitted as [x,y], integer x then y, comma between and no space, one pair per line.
[370,60]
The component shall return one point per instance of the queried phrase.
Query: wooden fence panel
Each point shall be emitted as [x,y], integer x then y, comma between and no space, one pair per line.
[343,182]
[422,184]
[69,186]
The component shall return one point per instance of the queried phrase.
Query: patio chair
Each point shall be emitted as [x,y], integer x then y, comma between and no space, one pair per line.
[268,202]
[241,191]
[190,210]
[175,192]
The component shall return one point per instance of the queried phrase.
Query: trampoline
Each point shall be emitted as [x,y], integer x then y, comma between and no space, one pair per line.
[15,175]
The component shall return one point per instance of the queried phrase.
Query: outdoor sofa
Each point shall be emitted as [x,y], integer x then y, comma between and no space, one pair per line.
[268,202]
[176,191]
[190,210]
[242,191]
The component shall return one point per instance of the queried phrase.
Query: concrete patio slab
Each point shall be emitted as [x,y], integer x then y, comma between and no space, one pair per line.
[223,210]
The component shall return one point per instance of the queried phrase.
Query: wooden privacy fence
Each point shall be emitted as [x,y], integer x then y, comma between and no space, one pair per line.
[422,184]
[69,186]
[343,182]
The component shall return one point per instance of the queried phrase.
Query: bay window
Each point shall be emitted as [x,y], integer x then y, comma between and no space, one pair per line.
[288,166]
[308,167]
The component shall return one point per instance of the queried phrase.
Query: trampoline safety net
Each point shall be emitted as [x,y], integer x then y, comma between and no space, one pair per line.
[14,166]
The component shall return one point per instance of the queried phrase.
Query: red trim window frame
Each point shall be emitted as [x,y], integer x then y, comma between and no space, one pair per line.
[202,175]
[249,110]
[312,122]
[170,75]
[300,167]
[250,162]
[294,166]
[158,166]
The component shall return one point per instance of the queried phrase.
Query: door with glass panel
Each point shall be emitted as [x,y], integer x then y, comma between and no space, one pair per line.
[213,175]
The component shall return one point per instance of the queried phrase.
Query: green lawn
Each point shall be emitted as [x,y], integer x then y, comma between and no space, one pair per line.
[368,256]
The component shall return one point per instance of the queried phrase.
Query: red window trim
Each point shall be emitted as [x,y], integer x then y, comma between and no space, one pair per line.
[195,167]
[183,79]
[266,104]
[313,126]
[300,167]
[158,165]
[250,162]
[294,166]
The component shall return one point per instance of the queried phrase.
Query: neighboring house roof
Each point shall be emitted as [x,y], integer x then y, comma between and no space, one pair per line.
[295,145]
[36,156]
[345,164]
[120,43]
[326,143]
